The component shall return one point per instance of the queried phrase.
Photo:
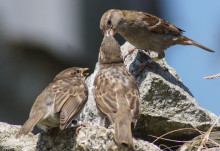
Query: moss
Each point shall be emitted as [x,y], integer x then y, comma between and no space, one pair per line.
[161,91]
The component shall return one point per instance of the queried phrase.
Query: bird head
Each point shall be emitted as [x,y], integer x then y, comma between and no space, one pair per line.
[111,21]
[72,72]
[110,51]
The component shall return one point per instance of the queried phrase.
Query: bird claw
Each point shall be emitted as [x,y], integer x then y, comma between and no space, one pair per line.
[129,52]
[141,67]
[79,128]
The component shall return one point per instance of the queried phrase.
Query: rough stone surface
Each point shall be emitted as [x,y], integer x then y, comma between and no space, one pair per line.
[167,105]
[8,142]
[90,138]
[101,138]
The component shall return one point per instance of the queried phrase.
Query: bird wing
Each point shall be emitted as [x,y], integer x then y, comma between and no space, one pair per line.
[153,23]
[70,97]
[110,93]
[104,96]
[133,99]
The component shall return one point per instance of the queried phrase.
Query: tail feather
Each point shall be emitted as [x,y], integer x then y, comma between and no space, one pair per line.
[123,133]
[186,41]
[29,125]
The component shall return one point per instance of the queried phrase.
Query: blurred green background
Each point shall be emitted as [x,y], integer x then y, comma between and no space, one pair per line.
[40,38]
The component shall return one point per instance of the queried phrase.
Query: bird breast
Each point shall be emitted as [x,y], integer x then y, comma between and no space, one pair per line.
[147,40]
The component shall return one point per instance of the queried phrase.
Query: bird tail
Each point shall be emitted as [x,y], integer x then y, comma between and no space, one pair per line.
[186,41]
[123,133]
[29,125]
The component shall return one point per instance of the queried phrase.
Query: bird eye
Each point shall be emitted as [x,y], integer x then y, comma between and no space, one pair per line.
[109,22]
[77,71]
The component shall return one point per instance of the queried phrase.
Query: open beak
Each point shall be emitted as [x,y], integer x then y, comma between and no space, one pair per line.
[109,32]
[83,72]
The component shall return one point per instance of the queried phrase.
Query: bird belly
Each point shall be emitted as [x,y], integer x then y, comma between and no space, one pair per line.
[50,120]
[148,40]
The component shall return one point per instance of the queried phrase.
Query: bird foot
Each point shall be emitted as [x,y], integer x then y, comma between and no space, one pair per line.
[80,127]
[141,67]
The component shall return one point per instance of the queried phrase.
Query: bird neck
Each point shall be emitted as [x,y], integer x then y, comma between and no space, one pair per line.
[109,57]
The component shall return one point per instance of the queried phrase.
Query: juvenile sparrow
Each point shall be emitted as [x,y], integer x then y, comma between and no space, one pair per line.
[59,103]
[145,31]
[116,92]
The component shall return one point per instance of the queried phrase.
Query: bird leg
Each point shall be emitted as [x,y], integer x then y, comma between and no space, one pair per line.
[147,63]
[79,128]
[143,65]
[129,52]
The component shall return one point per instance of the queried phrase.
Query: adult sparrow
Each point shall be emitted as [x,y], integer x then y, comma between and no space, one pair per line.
[59,103]
[145,31]
[116,92]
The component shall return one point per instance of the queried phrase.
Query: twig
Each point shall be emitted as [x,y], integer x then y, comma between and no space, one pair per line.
[182,129]
[206,135]
[212,77]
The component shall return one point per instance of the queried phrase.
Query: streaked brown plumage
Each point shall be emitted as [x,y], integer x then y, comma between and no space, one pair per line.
[116,92]
[145,31]
[59,103]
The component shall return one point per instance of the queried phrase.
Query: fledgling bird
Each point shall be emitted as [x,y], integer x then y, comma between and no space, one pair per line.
[145,31]
[116,92]
[60,102]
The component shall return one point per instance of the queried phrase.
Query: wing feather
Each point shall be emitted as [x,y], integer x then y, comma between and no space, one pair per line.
[109,94]
[71,109]
[154,24]
[70,97]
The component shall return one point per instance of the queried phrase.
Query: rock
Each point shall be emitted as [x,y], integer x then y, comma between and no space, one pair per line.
[10,143]
[101,138]
[167,105]
[92,138]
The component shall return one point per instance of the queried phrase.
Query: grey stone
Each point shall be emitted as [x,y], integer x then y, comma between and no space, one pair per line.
[100,138]
[90,138]
[8,142]
[167,105]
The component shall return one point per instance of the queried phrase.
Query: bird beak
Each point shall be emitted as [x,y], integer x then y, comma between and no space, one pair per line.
[109,32]
[112,32]
[85,74]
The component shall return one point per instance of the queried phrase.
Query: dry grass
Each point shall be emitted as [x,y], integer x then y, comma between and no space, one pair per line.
[212,77]
[197,145]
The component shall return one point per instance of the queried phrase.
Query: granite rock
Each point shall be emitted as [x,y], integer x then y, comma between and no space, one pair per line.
[167,105]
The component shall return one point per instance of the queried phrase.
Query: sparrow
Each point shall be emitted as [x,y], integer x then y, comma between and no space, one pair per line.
[145,31]
[116,92]
[60,102]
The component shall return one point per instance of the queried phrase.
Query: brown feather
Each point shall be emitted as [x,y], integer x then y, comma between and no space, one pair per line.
[64,97]
[145,31]
[29,124]
[71,109]
[116,92]
[122,128]
[186,41]
[153,23]
[66,89]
